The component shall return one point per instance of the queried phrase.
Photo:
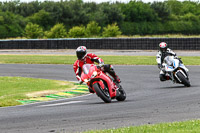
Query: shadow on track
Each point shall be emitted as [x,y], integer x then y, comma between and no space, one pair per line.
[172,87]
[113,102]
[178,86]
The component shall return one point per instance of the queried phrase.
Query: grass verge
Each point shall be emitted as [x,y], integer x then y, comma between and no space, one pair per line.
[161,36]
[192,126]
[68,59]
[16,88]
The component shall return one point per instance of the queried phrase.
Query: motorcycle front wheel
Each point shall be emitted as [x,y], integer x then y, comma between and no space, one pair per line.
[185,81]
[102,93]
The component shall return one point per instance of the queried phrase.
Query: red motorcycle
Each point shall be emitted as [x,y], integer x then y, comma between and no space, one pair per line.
[102,84]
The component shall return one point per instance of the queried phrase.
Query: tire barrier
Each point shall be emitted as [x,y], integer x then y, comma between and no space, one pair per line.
[104,43]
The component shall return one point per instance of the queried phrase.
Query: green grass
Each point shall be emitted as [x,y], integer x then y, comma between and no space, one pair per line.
[161,36]
[192,126]
[68,59]
[133,36]
[37,59]
[16,88]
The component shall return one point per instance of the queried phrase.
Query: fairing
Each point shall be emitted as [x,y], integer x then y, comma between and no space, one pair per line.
[173,65]
[87,75]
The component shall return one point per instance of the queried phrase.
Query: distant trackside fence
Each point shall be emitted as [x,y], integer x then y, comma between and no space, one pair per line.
[105,43]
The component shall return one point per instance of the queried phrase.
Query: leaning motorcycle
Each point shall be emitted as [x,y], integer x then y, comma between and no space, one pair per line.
[176,70]
[102,84]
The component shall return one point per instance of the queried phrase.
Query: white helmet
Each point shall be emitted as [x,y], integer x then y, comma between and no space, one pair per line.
[163,47]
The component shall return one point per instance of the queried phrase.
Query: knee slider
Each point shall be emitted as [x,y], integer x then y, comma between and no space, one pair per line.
[162,77]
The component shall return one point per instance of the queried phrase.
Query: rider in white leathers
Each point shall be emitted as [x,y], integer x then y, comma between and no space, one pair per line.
[162,53]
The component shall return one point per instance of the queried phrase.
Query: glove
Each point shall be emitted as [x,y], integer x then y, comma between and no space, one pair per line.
[101,64]
[162,68]
[180,60]
[159,66]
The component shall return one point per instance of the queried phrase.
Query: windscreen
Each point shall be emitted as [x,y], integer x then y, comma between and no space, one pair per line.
[86,68]
[169,60]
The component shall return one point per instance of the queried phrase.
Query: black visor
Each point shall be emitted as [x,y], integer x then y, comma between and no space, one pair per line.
[80,54]
[163,49]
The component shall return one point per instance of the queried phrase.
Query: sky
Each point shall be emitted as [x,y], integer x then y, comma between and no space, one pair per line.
[97,1]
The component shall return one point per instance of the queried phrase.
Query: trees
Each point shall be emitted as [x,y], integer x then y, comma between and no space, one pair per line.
[11,25]
[41,18]
[137,11]
[162,9]
[135,17]
[77,15]
[22,9]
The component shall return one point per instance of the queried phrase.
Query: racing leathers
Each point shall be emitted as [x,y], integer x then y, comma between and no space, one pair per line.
[159,58]
[91,58]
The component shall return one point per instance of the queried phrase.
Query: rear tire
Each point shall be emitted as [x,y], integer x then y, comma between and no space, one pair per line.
[185,81]
[102,93]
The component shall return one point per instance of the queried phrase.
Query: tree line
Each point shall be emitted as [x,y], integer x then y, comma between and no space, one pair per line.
[75,18]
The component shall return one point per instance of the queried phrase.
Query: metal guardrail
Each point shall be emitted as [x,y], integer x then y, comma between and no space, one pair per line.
[104,43]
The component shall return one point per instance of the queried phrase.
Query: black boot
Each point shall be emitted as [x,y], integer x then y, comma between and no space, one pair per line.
[114,75]
[117,79]
[109,69]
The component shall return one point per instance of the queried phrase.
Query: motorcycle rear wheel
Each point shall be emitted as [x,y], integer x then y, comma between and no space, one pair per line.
[122,94]
[185,81]
[102,93]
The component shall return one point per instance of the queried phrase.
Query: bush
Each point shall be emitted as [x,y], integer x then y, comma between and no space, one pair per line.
[33,31]
[77,31]
[111,31]
[57,31]
[93,29]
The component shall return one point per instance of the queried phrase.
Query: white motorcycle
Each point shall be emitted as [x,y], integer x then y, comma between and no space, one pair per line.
[177,71]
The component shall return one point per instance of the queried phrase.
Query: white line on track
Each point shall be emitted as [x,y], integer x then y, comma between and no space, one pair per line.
[57,104]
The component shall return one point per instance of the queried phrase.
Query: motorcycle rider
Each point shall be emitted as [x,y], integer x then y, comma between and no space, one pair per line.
[90,58]
[162,53]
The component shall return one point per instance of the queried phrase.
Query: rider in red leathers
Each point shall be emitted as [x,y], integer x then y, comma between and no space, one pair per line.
[90,58]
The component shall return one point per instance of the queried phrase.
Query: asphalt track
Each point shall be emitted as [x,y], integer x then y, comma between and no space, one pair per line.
[148,101]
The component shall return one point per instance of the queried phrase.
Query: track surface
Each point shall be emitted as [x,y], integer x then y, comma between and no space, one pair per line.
[148,101]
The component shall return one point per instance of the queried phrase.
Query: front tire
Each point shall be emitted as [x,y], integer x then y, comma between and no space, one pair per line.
[102,93]
[185,81]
